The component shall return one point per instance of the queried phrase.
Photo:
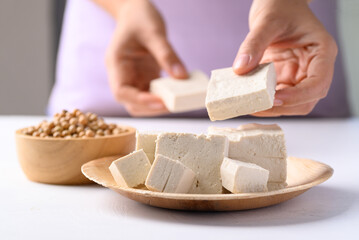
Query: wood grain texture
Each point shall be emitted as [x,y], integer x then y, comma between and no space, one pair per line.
[59,161]
[303,174]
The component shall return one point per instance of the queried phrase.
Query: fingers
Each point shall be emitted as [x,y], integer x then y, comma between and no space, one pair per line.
[137,102]
[252,49]
[302,109]
[293,99]
[140,111]
[314,87]
[140,104]
[166,57]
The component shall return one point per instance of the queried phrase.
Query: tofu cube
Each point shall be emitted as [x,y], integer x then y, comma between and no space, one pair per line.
[277,167]
[168,175]
[131,170]
[181,95]
[242,177]
[272,186]
[147,142]
[230,95]
[263,145]
[203,154]
[254,140]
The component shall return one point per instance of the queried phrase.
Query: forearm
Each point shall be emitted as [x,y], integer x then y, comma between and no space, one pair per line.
[268,5]
[111,6]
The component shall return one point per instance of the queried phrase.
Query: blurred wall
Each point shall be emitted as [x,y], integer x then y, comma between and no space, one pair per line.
[349,29]
[26,56]
[27,50]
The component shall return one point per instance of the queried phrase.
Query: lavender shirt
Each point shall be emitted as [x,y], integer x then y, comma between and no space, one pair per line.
[205,33]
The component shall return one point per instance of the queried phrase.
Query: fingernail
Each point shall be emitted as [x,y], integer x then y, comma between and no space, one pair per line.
[178,70]
[277,102]
[156,105]
[241,61]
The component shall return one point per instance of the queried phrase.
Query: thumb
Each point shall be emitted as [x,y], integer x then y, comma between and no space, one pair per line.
[166,57]
[252,49]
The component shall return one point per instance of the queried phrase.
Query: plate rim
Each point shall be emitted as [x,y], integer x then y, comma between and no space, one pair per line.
[215,197]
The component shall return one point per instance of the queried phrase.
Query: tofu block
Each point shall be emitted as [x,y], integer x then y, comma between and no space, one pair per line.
[230,95]
[168,175]
[182,95]
[263,145]
[203,154]
[147,142]
[272,186]
[254,140]
[242,177]
[277,167]
[131,170]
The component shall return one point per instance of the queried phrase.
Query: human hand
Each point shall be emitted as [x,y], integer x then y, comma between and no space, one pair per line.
[288,34]
[138,51]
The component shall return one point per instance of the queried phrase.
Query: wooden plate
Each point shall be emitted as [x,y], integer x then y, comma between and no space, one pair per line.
[302,175]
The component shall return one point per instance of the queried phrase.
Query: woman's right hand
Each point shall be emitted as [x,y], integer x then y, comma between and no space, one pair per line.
[288,34]
[139,49]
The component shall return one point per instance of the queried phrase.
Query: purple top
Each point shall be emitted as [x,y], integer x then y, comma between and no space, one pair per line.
[205,33]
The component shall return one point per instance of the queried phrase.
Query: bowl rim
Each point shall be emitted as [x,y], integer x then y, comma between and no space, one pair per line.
[131,130]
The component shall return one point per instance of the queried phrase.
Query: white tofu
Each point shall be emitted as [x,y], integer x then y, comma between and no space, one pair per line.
[168,175]
[147,142]
[254,140]
[131,170]
[242,177]
[181,95]
[203,154]
[277,167]
[230,95]
[272,186]
[263,145]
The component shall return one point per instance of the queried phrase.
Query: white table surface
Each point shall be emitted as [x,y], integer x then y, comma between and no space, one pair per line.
[330,211]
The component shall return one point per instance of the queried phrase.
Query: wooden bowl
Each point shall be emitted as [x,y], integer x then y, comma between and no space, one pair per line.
[59,160]
[302,175]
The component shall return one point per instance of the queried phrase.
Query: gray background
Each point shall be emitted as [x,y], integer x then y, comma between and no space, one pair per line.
[28,42]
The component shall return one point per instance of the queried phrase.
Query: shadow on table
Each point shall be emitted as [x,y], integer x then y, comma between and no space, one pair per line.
[316,204]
